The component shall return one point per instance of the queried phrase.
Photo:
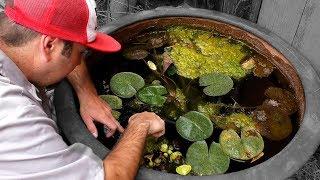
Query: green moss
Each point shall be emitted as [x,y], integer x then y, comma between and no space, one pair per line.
[209,109]
[181,98]
[197,52]
[235,121]
[153,144]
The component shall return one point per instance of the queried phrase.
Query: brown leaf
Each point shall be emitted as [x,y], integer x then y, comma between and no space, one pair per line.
[262,67]
[285,99]
[272,122]
[135,53]
[167,61]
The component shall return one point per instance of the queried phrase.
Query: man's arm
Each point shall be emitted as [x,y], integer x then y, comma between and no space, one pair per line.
[123,161]
[92,108]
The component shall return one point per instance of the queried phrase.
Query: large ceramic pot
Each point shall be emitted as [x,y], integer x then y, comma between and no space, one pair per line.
[302,77]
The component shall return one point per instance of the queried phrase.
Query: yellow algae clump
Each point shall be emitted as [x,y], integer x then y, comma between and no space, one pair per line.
[196,52]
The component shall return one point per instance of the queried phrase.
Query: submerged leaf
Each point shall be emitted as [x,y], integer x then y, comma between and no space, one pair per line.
[158,40]
[114,101]
[235,121]
[207,162]
[272,122]
[262,67]
[167,61]
[183,169]
[153,95]
[135,53]
[247,147]
[217,84]
[285,99]
[194,126]
[126,84]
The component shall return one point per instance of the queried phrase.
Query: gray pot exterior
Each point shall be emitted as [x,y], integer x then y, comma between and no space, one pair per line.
[281,166]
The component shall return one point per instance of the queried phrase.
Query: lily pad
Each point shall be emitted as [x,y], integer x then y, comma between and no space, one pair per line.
[153,95]
[183,169]
[116,114]
[272,122]
[217,84]
[114,101]
[207,162]
[126,84]
[247,147]
[194,126]
[135,53]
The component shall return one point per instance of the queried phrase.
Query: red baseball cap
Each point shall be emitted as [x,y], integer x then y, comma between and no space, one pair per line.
[73,20]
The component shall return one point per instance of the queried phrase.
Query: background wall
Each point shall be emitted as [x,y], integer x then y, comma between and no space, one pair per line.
[296,21]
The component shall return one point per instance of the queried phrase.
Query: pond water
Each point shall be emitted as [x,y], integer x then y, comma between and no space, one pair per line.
[208,88]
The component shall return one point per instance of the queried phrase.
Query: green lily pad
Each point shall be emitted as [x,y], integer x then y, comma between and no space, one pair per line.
[216,84]
[194,126]
[204,162]
[114,101]
[247,147]
[153,95]
[126,84]
[116,114]
[183,169]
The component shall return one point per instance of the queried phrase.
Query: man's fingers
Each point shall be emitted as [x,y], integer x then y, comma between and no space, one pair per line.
[88,120]
[119,127]
[159,134]
[108,120]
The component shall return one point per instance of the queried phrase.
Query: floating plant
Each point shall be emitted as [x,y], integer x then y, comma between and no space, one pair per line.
[193,79]
[207,162]
[183,169]
[246,147]
[235,121]
[194,126]
[126,84]
[115,103]
[153,95]
[216,84]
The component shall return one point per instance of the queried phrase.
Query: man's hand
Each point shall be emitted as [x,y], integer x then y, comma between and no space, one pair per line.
[93,108]
[123,161]
[155,123]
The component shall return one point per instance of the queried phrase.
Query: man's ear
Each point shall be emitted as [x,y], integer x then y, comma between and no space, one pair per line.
[47,47]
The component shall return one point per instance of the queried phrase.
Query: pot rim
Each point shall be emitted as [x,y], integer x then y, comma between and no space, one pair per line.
[305,141]
[287,164]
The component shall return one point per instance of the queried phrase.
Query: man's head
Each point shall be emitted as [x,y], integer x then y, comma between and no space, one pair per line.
[53,33]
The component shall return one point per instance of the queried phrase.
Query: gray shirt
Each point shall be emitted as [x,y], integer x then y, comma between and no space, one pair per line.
[30,146]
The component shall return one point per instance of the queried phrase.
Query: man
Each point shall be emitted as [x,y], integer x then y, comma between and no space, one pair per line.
[41,42]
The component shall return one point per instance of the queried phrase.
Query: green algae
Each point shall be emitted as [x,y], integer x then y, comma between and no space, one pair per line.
[197,52]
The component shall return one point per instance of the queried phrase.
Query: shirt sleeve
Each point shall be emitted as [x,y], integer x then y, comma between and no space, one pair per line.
[31,148]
